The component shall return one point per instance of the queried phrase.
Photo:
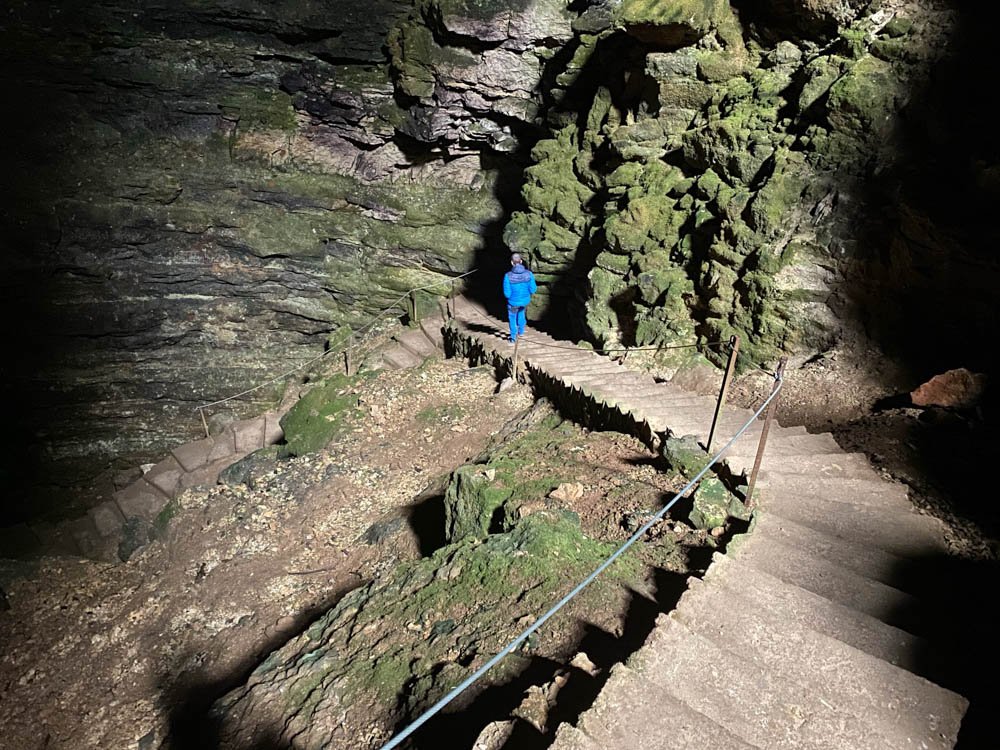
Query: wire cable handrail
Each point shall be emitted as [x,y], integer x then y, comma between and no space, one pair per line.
[361,331]
[475,676]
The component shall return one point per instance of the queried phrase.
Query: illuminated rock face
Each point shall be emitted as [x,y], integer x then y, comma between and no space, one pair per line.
[199,193]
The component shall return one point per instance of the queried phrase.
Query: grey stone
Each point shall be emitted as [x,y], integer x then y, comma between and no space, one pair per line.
[166,476]
[249,434]
[194,455]
[107,518]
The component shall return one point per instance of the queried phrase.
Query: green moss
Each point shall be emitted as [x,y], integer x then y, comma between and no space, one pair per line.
[162,521]
[260,109]
[862,101]
[322,414]
[695,17]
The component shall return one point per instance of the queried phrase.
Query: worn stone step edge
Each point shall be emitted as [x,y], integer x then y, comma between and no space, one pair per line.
[902,531]
[855,628]
[796,566]
[665,722]
[904,706]
[752,703]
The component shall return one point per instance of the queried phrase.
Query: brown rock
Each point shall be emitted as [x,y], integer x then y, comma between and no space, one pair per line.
[957,389]
[567,491]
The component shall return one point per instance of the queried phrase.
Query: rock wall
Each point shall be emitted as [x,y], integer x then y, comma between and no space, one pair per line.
[748,169]
[200,192]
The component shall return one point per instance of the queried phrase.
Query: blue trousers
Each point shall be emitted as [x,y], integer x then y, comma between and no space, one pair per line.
[517,320]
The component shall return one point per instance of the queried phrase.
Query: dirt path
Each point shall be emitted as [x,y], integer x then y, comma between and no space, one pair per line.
[101,656]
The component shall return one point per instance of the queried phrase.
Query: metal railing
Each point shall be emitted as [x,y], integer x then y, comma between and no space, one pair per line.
[767,406]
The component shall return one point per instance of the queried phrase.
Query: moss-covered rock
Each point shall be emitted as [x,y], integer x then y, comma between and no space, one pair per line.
[322,414]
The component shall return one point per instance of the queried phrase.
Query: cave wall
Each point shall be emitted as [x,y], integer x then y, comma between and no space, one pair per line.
[199,193]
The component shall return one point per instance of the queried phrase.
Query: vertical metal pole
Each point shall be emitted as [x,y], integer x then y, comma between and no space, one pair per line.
[734,351]
[414,317]
[517,342]
[348,364]
[451,304]
[768,416]
[201,411]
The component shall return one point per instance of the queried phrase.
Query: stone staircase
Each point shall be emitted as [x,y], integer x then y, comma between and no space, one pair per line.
[415,345]
[807,634]
[132,511]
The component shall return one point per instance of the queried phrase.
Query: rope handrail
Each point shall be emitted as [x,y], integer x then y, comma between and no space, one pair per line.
[509,648]
[359,332]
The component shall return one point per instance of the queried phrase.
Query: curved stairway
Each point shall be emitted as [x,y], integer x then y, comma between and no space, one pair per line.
[807,633]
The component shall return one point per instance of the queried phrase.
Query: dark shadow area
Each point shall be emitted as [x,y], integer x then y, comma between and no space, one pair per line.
[958,647]
[426,517]
[189,698]
[459,726]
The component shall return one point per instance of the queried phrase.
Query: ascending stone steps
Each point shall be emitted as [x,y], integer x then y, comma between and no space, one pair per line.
[415,346]
[808,634]
[198,463]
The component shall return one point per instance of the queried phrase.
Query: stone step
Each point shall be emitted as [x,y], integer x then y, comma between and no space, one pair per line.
[864,559]
[681,403]
[225,444]
[857,629]
[780,445]
[195,454]
[659,721]
[899,705]
[877,492]
[107,518]
[272,428]
[467,310]
[903,532]
[207,476]
[569,737]
[796,566]
[433,329]
[399,358]
[603,374]
[560,367]
[249,434]
[752,703]
[166,475]
[829,465]
[141,500]
[417,343]
[90,543]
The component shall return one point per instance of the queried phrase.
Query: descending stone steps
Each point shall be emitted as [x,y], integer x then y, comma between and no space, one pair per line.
[668,723]
[857,629]
[198,463]
[746,699]
[901,706]
[809,633]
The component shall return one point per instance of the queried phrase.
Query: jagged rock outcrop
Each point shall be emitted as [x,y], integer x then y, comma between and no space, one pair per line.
[719,178]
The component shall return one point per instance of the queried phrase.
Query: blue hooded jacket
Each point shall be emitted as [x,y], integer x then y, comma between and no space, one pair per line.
[518,286]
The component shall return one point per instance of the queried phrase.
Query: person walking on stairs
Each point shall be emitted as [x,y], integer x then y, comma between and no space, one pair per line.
[518,286]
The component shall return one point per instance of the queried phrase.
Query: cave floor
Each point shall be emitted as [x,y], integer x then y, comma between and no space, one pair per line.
[128,655]
[100,655]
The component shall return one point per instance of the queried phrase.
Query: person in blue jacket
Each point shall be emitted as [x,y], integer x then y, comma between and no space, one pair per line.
[518,286]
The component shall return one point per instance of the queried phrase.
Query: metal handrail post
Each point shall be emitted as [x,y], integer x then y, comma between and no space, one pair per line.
[734,352]
[414,315]
[762,444]
[517,342]
[348,364]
